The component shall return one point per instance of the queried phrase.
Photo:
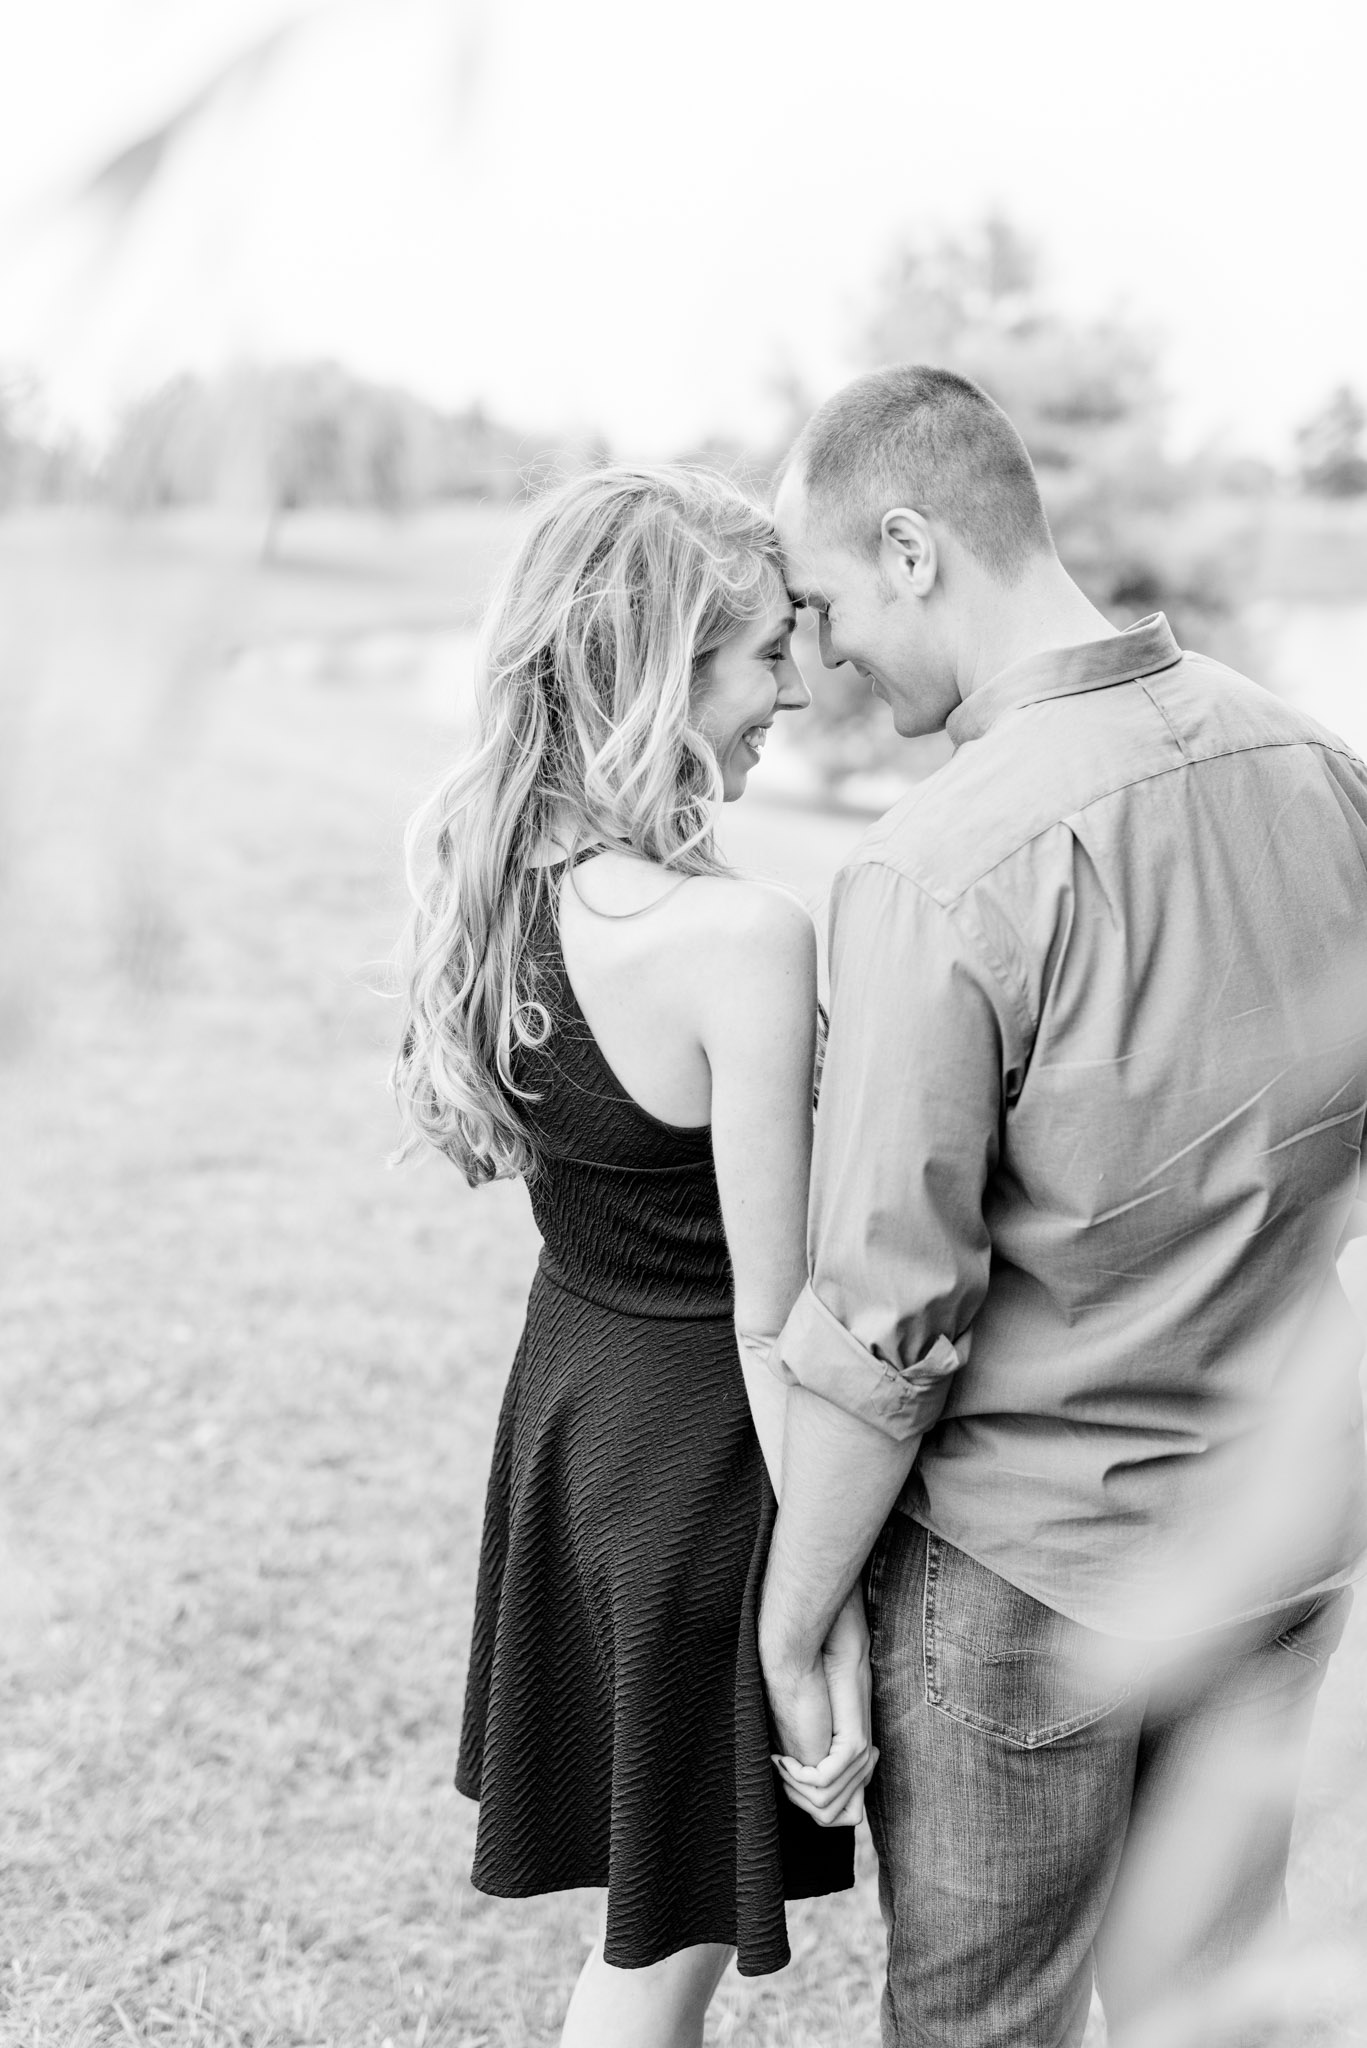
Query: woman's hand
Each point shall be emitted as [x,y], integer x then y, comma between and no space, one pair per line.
[832,1791]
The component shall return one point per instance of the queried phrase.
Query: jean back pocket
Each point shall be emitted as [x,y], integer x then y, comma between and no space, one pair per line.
[1006,1664]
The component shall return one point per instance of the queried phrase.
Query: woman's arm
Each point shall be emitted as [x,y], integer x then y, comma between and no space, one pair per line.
[757,1026]
[758,1031]
[767,1395]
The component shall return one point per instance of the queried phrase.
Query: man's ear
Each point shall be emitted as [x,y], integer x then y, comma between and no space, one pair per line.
[908,551]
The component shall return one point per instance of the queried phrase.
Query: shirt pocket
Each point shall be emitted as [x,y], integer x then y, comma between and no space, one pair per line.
[1003,1663]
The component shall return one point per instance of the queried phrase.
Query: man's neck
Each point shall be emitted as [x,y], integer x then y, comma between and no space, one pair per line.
[1044,612]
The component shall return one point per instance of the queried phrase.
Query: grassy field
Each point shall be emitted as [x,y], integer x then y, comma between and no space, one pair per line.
[249,1374]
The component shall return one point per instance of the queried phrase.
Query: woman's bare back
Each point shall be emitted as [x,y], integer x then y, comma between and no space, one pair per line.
[640,948]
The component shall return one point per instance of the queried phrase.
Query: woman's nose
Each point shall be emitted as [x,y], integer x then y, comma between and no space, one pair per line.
[793,694]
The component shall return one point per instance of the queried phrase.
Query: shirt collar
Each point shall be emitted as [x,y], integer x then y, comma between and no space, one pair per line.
[1141,650]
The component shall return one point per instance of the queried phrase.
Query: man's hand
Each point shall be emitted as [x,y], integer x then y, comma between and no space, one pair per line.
[830,1703]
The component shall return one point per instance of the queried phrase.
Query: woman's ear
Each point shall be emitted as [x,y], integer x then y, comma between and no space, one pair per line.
[908,552]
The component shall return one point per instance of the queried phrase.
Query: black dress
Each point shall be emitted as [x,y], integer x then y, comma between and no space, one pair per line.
[615,1729]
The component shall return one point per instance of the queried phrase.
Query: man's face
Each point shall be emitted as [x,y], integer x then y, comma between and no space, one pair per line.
[868,614]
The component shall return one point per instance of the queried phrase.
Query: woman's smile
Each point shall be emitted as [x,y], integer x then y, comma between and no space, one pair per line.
[744,687]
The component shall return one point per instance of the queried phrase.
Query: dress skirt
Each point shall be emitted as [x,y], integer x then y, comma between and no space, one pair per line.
[615,1728]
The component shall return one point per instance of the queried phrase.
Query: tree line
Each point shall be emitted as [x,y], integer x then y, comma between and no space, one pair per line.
[280,438]
[1087,395]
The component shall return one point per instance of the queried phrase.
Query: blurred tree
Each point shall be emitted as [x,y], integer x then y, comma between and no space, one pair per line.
[1329,451]
[11,449]
[1088,398]
[310,434]
[37,464]
[164,449]
[1085,394]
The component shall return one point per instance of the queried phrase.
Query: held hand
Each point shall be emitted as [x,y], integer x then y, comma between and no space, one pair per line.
[831,1789]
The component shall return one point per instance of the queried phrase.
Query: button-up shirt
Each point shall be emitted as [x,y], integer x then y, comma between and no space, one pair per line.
[1090,1129]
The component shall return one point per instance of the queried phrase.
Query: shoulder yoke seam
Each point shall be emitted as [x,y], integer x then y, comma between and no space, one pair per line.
[995,968]
[1101,796]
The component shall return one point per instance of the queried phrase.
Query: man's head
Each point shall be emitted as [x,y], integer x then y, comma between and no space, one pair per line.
[906,506]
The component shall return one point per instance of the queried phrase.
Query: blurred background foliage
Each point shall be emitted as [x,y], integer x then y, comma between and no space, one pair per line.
[1089,399]
[308,435]
[1331,461]
[250,1381]
[1141,527]
[282,437]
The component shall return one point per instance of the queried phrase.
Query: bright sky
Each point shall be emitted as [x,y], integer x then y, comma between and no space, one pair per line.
[625,215]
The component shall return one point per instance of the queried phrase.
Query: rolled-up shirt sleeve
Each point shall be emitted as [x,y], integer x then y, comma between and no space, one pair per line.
[922,1034]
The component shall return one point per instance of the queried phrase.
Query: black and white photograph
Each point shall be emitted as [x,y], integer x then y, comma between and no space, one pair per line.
[683,1025]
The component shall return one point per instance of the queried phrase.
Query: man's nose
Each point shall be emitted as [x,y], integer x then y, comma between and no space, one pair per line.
[829,659]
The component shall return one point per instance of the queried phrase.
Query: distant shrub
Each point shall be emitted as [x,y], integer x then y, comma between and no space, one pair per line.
[1329,451]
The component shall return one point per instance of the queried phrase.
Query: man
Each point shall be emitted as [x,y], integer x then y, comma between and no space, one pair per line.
[1090,1132]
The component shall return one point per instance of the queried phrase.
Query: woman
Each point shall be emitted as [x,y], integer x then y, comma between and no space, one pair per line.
[596,1002]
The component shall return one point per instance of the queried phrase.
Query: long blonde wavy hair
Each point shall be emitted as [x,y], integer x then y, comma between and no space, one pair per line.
[588,671]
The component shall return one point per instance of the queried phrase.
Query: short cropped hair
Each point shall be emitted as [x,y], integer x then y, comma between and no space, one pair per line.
[931,440]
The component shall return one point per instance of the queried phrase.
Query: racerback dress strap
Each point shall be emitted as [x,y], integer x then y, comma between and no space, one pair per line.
[587,853]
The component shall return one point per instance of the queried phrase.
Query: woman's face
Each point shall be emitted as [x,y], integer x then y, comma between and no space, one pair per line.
[742,688]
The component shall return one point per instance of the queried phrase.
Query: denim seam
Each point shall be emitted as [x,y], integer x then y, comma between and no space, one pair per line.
[873,1586]
[887,1892]
[1284,1642]
[1038,1738]
[933,1695]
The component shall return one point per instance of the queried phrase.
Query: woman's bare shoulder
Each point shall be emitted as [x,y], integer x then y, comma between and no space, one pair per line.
[722,910]
[691,941]
[619,884]
[740,925]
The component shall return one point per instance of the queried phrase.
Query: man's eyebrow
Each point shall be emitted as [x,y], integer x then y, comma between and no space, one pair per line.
[807,600]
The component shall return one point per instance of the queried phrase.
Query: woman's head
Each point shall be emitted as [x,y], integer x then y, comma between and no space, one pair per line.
[636,646]
[630,589]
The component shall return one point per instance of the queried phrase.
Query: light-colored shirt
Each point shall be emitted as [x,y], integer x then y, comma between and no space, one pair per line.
[1090,1128]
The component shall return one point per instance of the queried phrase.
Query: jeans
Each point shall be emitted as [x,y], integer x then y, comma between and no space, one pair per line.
[1049,1800]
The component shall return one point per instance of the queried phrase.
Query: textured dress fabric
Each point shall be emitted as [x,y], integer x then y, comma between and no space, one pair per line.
[615,1728]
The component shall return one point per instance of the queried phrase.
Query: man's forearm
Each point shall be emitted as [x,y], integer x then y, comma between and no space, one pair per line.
[840,1478]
